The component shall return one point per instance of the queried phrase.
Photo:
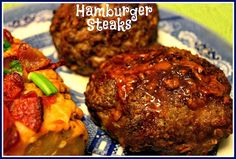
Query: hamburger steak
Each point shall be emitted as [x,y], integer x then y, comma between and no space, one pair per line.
[163,99]
[85,50]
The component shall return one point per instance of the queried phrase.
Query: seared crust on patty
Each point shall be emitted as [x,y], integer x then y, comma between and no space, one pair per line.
[85,50]
[163,99]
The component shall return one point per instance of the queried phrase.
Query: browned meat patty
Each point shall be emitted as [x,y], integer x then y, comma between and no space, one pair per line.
[163,99]
[85,50]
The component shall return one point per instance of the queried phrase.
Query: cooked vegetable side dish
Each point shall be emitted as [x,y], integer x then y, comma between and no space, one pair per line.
[163,99]
[40,117]
[85,50]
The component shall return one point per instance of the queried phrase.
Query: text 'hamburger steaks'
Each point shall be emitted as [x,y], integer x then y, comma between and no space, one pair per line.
[85,50]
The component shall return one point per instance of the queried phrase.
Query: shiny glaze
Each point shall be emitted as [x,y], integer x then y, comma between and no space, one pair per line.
[163,99]
[172,72]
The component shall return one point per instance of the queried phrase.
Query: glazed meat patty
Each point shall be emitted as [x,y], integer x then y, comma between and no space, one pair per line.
[163,99]
[85,50]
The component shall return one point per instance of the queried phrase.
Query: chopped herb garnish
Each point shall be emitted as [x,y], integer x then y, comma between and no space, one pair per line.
[43,83]
[15,66]
[6,45]
[6,71]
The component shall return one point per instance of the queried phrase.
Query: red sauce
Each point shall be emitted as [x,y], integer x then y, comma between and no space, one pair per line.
[153,71]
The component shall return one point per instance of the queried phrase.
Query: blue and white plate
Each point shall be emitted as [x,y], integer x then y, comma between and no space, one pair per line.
[31,24]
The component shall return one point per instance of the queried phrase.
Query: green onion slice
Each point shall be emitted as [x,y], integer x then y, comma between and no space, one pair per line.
[43,83]
[15,66]
[14,63]
[6,45]
[6,71]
